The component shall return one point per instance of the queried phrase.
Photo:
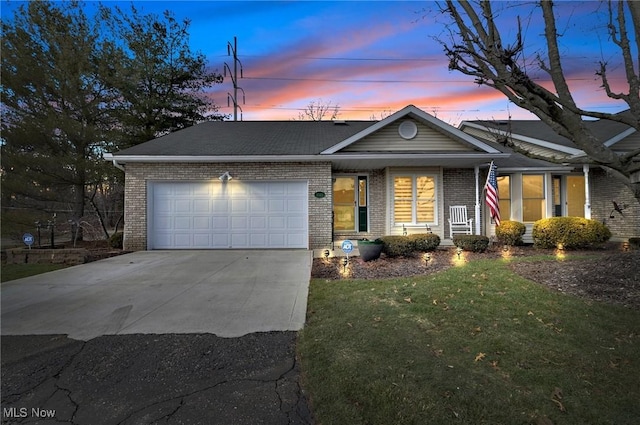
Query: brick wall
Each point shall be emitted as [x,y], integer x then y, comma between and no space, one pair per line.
[459,187]
[605,189]
[138,174]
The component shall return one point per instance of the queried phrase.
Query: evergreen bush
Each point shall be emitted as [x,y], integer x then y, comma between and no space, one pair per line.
[571,232]
[398,246]
[510,232]
[474,243]
[424,242]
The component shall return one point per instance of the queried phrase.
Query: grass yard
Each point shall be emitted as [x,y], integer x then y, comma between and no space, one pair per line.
[18,271]
[474,344]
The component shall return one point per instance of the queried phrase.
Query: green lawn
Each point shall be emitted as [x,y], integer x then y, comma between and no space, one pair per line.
[475,344]
[18,271]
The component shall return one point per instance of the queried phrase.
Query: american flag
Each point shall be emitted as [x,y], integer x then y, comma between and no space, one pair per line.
[491,196]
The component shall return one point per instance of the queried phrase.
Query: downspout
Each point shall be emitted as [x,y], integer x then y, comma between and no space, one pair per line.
[476,170]
[118,166]
[587,197]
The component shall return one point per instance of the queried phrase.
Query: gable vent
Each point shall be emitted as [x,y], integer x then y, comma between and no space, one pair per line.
[339,122]
[408,129]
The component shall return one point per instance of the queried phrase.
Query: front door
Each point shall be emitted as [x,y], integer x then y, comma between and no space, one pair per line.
[568,196]
[350,204]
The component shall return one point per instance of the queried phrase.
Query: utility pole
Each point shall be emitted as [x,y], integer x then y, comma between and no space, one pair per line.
[234,78]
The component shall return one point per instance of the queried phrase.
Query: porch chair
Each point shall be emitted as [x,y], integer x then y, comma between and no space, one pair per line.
[458,221]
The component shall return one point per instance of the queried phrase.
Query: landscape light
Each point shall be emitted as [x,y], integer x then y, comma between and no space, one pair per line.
[459,251]
[345,261]
[326,254]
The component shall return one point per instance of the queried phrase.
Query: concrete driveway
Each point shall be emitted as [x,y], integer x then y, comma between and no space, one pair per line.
[226,293]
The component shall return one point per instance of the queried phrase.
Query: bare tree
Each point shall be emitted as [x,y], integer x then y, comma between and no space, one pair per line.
[318,110]
[476,48]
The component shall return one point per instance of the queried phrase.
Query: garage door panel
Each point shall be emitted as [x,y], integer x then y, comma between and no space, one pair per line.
[258,223]
[182,223]
[228,215]
[164,222]
[258,206]
[277,223]
[201,206]
[239,206]
[182,240]
[276,205]
[201,240]
[201,223]
[239,223]
[220,206]
[220,223]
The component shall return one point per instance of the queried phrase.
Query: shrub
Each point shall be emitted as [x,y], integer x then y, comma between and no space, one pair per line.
[398,246]
[510,232]
[571,232]
[116,240]
[634,243]
[474,243]
[424,242]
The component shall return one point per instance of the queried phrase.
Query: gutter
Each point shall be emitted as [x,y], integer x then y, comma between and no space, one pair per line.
[123,159]
[109,157]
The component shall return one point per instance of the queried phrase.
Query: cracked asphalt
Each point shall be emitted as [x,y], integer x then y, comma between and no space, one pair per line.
[152,379]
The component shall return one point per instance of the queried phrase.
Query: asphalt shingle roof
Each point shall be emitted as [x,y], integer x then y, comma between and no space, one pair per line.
[240,138]
[602,129]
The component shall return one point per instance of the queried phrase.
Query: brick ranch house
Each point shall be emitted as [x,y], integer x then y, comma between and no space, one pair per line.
[306,184]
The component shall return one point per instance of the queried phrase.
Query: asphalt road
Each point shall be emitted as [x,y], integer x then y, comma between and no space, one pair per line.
[152,379]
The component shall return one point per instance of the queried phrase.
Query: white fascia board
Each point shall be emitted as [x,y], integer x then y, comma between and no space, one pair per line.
[420,114]
[628,132]
[480,156]
[211,158]
[527,139]
[123,159]
[555,169]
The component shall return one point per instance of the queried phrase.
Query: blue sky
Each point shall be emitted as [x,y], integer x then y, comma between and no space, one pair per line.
[374,57]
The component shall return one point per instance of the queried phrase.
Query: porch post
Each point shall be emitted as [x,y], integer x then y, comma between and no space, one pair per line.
[587,198]
[476,170]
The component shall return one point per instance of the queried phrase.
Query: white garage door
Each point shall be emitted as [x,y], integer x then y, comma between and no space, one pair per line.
[235,214]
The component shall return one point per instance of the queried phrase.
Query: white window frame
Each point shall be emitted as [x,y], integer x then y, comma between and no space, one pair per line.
[414,199]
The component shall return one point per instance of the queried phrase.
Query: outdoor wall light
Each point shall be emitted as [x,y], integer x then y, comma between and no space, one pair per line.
[225,177]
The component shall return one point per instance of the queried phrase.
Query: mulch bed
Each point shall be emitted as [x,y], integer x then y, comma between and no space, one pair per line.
[607,275]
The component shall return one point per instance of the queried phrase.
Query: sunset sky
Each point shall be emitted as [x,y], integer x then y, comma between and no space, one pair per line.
[373,58]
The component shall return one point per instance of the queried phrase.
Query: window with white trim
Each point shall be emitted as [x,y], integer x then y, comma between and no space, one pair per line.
[414,199]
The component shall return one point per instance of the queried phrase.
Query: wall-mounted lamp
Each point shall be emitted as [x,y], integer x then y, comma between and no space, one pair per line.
[225,177]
